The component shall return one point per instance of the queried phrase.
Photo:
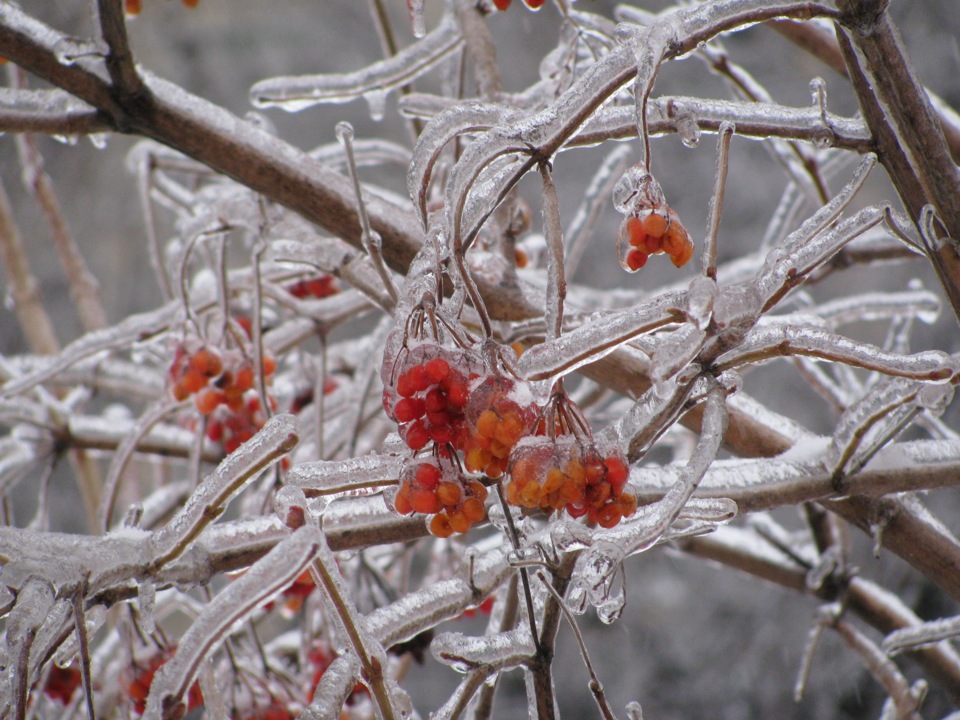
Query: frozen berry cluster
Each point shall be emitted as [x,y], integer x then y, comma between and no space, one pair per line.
[583,478]
[652,232]
[454,501]
[500,412]
[430,395]
[222,387]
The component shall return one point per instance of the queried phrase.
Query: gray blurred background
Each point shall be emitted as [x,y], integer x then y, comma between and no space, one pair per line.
[695,640]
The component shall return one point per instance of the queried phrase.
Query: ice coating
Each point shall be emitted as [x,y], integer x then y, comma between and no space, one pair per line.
[243,596]
[594,340]
[774,341]
[340,475]
[277,437]
[296,93]
[335,686]
[501,651]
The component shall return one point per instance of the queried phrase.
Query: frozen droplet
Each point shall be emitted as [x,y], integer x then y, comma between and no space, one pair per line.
[935,398]
[700,298]
[568,535]
[66,139]
[688,130]
[634,711]
[818,92]
[377,102]
[290,504]
[344,131]
[610,610]
[146,605]
[98,140]
[70,49]
[627,188]
[823,139]
[318,505]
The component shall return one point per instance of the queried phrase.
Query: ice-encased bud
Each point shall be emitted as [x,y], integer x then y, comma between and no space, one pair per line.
[290,505]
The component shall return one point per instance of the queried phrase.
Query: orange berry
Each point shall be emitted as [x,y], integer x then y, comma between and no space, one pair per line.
[472,510]
[193,381]
[179,392]
[653,245]
[628,504]
[440,526]
[424,501]
[499,450]
[655,224]
[487,423]
[476,459]
[514,496]
[509,430]
[269,366]
[402,503]
[206,362]
[243,379]
[635,231]
[609,516]
[133,7]
[458,522]
[683,257]
[477,489]
[208,400]
[190,3]
[554,481]
[449,493]
[521,258]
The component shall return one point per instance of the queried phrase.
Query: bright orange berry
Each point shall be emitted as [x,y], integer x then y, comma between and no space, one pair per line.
[655,224]
[449,493]
[440,526]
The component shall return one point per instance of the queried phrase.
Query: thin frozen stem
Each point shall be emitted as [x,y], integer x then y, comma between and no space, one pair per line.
[709,261]
[556,273]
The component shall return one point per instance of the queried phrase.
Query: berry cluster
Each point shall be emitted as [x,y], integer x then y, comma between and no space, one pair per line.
[433,385]
[568,473]
[316,287]
[455,502]
[652,232]
[222,387]
[141,678]
[502,5]
[500,412]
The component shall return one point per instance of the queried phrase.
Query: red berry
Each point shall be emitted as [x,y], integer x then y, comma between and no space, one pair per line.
[416,435]
[428,476]
[437,369]
[636,260]
[409,409]
[501,5]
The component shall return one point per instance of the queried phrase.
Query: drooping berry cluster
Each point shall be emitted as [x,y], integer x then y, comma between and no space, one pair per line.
[500,412]
[652,232]
[430,488]
[316,287]
[568,473]
[429,396]
[140,678]
[532,4]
